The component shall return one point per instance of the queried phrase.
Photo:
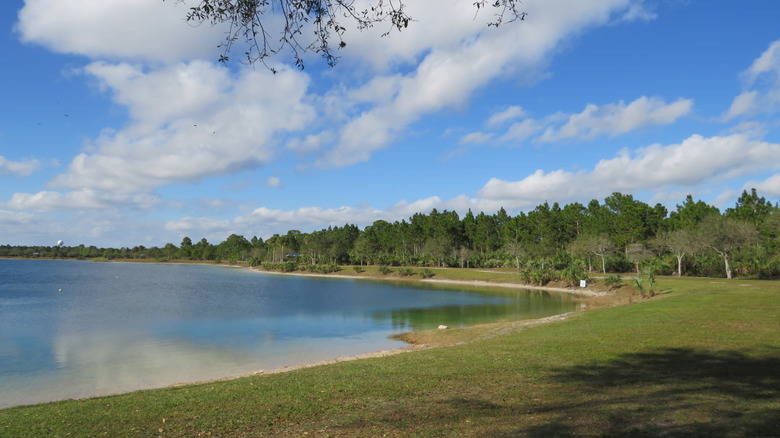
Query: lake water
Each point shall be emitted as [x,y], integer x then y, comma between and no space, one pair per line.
[72,329]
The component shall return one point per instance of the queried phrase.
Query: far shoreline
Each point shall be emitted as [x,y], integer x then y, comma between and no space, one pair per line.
[584,292]
[479,283]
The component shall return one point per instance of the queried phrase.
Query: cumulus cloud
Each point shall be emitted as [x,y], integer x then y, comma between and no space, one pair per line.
[615,119]
[83,199]
[201,225]
[267,221]
[23,167]
[452,69]
[610,120]
[476,138]
[511,113]
[694,162]
[521,131]
[762,86]
[274,181]
[14,218]
[770,187]
[188,121]
[745,103]
[768,62]
[150,30]
[558,185]
[697,162]
[311,143]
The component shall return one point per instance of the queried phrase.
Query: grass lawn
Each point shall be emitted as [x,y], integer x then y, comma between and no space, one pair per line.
[700,359]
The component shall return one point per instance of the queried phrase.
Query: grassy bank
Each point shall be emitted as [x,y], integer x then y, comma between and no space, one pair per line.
[700,359]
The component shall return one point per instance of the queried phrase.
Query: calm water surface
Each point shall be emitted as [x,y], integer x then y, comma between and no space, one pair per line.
[118,327]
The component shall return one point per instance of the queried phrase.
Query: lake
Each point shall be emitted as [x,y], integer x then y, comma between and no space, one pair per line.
[73,329]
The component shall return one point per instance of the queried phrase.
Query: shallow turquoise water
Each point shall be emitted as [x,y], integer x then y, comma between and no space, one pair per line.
[71,329]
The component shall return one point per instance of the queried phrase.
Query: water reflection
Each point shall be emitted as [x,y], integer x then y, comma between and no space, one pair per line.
[525,305]
[117,327]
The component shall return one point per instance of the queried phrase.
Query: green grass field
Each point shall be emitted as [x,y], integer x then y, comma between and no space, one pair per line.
[702,358]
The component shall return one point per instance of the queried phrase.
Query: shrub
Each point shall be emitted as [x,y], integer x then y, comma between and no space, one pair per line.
[327,269]
[405,272]
[426,273]
[385,270]
[358,269]
[540,277]
[572,274]
[613,281]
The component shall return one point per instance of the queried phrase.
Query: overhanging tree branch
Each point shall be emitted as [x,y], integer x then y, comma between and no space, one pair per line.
[311,25]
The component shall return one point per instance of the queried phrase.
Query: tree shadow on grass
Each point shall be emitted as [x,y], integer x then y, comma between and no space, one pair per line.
[671,392]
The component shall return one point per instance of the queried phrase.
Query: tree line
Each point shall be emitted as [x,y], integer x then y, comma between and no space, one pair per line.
[620,234]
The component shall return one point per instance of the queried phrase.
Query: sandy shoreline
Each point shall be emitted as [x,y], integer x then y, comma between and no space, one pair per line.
[512,326]
[582,292]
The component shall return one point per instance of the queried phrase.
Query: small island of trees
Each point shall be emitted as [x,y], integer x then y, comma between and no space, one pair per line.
[620,235]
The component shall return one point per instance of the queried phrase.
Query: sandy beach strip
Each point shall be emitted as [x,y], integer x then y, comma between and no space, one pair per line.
[479,283]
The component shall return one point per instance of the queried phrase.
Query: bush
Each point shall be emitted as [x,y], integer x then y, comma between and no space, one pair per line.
[426,273]
[572,274]
[385,270]
[540,277]
[328,269]
[613,281]
[645,284]
[405,272]
[525,274]
[358,269]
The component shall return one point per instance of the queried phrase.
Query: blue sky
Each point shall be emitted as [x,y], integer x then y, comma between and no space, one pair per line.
[119,128]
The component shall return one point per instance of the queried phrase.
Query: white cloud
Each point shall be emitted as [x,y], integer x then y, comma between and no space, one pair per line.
[83,199]
[557,185]
[437,23]
[770,187]
[691,162]
[762,82]
[695,162]
[118,29]
[266,221]
[616,119]
[637,12]
[20,228]
[265,217]
[476,138]
[23,167]
[312,143]
[274,181]
[768,62]
[202,122]
[14,218]
[202,225]
[522,131]
[188,121]
[454,68]
[607,120]
[745,103]
[511,113]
